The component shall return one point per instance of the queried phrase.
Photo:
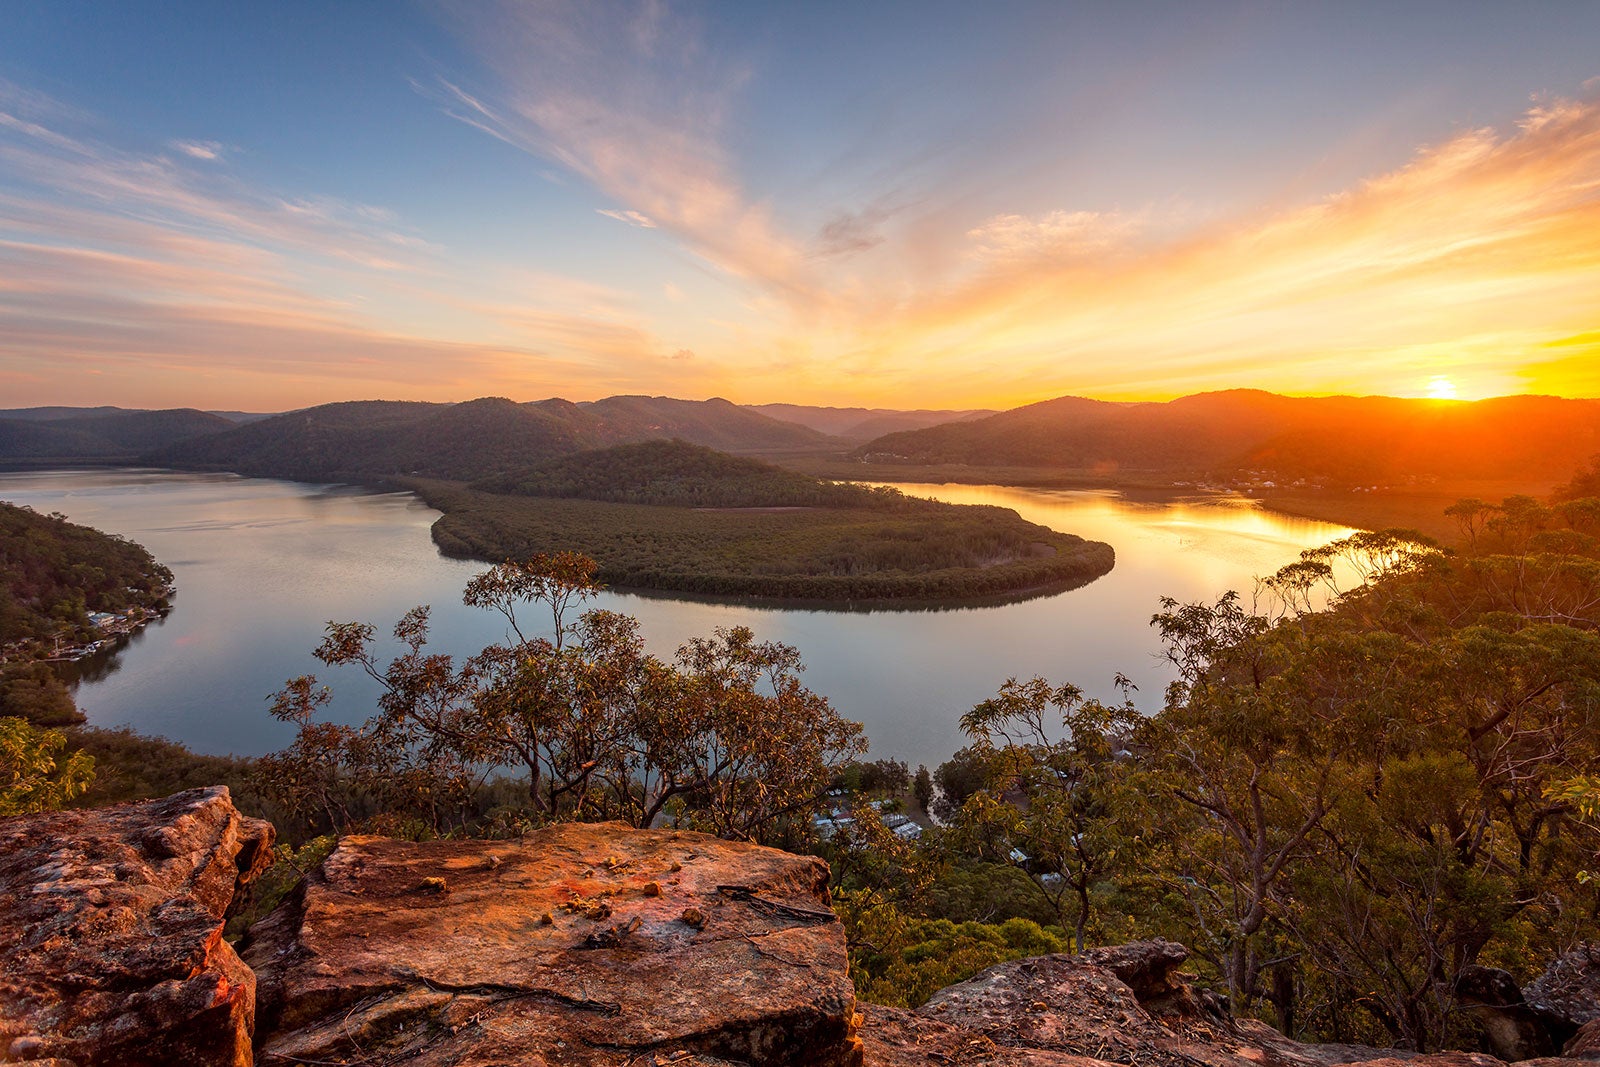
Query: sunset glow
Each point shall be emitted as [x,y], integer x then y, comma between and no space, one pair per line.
[581,200]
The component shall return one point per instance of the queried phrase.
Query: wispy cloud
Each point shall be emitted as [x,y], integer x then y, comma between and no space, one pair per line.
[632,218]
[209,151]
[1466,260]
[161,280]
[629,98]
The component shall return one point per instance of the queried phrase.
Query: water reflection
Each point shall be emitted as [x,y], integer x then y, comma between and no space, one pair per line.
[262,566]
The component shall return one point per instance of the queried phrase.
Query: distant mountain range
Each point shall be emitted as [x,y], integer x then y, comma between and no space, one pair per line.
[1329,440]
[858,425]
[1336,440]
[99,434]
[479,438]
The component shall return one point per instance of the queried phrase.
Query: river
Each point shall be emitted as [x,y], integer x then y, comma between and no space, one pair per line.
[262,566]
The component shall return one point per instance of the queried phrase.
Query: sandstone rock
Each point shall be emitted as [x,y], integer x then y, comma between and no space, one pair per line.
[1585,1044]
[1570,987]
[1127,1004]
[1150,970]
[567,947]
[1516,1030]
[893,1037]
[111,935]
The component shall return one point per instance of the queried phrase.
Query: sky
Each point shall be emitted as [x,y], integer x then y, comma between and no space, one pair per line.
[908,205]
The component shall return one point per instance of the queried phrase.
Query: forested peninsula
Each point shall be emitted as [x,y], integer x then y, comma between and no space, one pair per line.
[674,516]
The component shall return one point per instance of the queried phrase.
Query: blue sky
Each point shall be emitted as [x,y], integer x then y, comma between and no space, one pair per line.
[266,206]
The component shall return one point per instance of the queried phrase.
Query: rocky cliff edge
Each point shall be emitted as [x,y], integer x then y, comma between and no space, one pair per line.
[580,945]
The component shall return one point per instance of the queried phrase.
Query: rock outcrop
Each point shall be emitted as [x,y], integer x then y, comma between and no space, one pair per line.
[1122,1005]
[111,933]
[580,944]
[1569,988]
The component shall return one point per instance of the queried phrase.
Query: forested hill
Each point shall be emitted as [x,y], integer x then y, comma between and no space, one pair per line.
[99,434]
[1337,440]
[53,573]
[476,439]
[680,474]
[856,425]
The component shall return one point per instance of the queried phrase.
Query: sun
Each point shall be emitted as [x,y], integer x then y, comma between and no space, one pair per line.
[1442,389]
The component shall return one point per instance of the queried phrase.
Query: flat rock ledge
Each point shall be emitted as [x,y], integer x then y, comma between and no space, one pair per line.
[589,945]
[111,933]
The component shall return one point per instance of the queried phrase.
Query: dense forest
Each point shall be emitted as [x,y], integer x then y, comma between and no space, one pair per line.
[1342,811]
[54,573]
[105,435]
[679,474]
[896,549]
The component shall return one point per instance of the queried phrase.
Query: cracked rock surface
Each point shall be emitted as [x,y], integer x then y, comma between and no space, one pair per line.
[588,945]
[111,933]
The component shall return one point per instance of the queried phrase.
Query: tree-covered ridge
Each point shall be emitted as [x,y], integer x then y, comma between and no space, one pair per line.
[1336,440]
[55,573]
[374,440]
[911,551]
[99,434]
[679,474]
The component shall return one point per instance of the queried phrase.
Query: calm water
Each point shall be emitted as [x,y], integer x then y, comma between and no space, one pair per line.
[263,565]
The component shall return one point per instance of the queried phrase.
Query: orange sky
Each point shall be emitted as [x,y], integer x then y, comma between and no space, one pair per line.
[657,248]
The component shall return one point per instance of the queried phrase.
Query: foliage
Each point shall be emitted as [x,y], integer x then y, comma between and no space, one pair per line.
[290,866]
[884,776]
[1360,801]
[1585,484]
[1058,808]
[922,787]
[53,573]
[133,766]
[916,550]
[963,774]
[37,771]
[725,738]
[679,474]
[34,692]
[901,961]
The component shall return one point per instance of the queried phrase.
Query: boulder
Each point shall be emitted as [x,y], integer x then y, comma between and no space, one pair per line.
[1585,1044]
[112,933]
[1126,1004]
[1569,988]
[580,945]
[1515,1030]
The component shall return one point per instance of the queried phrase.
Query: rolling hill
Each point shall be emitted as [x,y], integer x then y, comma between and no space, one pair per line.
[1331,440]
[99,434]
[858,425]
[479,438]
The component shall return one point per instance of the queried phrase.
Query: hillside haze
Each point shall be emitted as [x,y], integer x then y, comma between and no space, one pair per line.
[99,434]
[363,439]
[1337,440]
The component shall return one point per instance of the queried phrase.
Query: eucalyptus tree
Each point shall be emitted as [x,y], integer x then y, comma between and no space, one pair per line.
[725,737]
